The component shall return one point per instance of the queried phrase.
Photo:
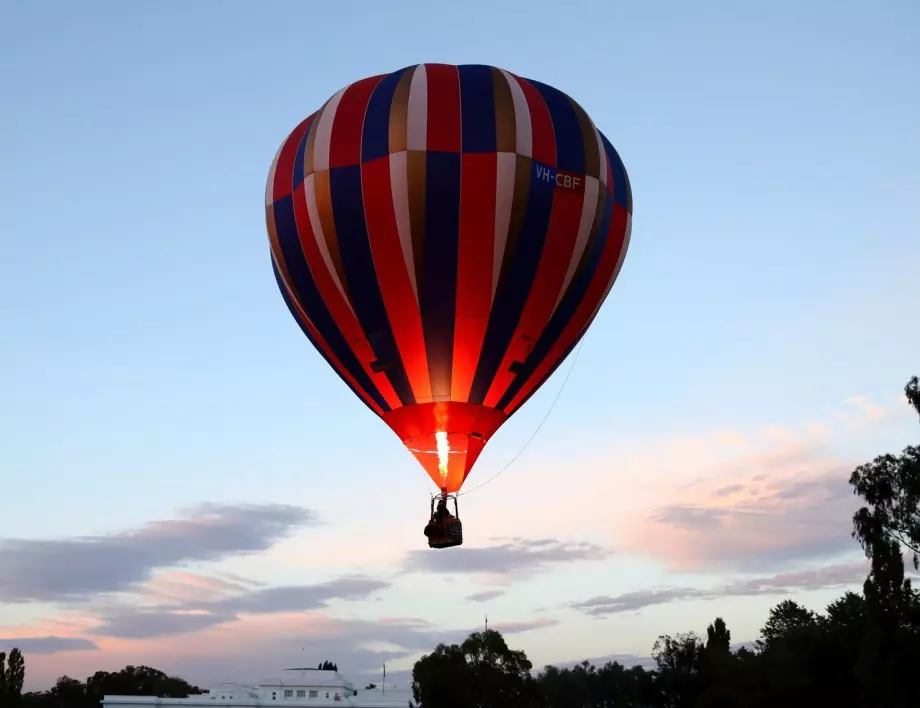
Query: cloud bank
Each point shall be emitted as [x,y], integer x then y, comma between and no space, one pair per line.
[845,574]
[78,568]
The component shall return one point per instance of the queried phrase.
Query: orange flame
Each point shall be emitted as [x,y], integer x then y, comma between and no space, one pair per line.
[443,445]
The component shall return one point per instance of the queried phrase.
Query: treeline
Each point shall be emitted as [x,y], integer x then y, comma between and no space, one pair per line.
[842,658]
[69,692]
[862,651]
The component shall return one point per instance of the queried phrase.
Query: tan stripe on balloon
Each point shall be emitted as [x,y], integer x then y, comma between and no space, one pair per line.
[520,193]
[602,155]
[593,235]
[589,141]
[588,210]
[523,125]
[399,187]
[399,112]
[277,255]
[271,228]
[616,271]
[505,127]
[417,111]
[416,170]
[309,148]
[270,185]
[504,197]
[324,133]
[319,209]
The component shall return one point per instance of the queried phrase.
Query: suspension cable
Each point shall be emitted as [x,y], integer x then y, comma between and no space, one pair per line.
[537,430]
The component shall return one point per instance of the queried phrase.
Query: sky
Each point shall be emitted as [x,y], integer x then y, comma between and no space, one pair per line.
[186,484]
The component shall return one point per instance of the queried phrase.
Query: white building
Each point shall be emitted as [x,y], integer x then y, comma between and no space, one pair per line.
[317,689]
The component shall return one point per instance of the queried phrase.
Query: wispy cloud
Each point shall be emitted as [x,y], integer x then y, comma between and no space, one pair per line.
[844,574]
[524,626]
[485,595]
[627,660]
[861,409]
[48,645]
[75,568]
[514,555]
[133,622]
[776,501]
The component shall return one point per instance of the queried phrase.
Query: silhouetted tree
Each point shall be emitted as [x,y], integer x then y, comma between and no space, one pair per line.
[679,661]
[2,674]
[483,672]
[14,677]
[131,681]
[785,620]
[890,488]
[912,391]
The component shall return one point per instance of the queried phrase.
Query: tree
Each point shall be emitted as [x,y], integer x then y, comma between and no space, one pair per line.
[443,678]
[718,667]
[2,674]
[69,692]
[912,391]
[889,522]
[327,666]
[785,620]
[679,661]
[890,488]
[14,677]
[891,642]
[138,681]
[482,672]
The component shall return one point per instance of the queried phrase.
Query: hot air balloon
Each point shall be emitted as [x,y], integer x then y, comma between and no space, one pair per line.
[444,236]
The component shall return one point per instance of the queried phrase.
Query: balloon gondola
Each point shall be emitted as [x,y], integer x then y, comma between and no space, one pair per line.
[444,530]
[444,236]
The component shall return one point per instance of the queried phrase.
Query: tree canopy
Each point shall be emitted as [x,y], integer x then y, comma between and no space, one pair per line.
[69,692]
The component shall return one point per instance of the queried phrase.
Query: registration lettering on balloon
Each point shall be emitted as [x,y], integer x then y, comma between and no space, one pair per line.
[563,179]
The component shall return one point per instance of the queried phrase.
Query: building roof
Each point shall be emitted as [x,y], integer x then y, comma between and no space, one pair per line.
[248,696]
[309,679]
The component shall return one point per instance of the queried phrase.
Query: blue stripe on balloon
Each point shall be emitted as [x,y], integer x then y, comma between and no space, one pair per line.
[361,275]
[513,289]
[297,175]
[438,286]
[477,108]
[567,307]
[309,298]
[570,144]
[375,135]
[310,338]
[622,191]
[552,369]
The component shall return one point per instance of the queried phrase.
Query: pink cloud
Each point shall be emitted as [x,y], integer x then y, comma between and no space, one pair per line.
[722,500]
[861,410]
[839,575]
[762,508]
[180,586]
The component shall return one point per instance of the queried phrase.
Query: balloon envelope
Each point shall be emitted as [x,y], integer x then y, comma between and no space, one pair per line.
[444,235]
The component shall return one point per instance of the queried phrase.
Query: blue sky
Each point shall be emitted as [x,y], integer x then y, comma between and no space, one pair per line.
[149,364]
